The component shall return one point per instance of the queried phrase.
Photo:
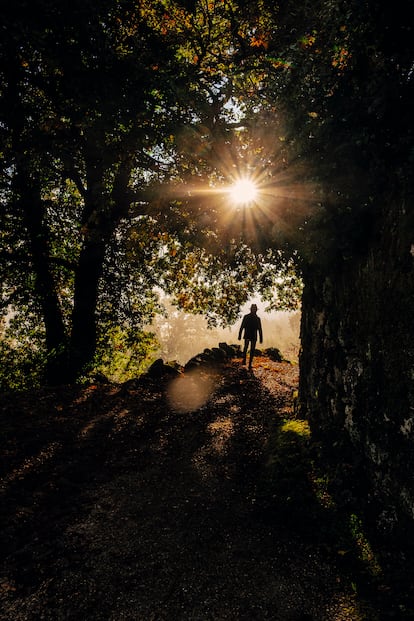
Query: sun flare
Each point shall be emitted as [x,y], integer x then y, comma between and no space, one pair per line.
[243,191]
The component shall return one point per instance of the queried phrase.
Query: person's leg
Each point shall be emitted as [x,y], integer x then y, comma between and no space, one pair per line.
[246,345]
[252,348]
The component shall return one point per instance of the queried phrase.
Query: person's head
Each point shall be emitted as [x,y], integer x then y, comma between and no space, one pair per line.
[253,308]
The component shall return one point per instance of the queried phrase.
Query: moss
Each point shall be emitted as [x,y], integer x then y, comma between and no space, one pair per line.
[300,427]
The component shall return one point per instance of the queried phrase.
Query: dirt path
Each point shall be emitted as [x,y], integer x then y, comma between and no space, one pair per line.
[138,503]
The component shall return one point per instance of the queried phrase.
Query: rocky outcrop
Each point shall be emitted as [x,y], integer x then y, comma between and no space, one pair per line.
[213,356]
[357,367]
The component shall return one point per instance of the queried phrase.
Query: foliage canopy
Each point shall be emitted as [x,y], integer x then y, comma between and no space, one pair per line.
[122,125]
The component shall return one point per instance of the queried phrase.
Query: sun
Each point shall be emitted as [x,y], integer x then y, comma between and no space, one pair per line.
[243,191]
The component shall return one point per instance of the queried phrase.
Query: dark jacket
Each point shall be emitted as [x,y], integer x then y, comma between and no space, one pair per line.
[251,325]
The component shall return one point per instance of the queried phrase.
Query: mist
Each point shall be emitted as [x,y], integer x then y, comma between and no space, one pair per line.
[182,335]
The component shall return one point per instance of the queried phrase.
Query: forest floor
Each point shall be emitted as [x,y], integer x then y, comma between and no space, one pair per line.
[188,499]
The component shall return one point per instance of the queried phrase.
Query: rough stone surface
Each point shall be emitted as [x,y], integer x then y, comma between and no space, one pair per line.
[357,365]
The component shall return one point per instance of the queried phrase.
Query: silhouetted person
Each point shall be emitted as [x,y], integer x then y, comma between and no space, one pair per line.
[251,325]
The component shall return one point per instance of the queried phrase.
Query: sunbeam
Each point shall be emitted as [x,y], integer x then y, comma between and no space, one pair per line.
[253,189]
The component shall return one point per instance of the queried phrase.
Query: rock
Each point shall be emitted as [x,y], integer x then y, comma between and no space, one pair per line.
[274,354]
[156,369]
[99,378]
[229,349]
[160,369]
[218,354]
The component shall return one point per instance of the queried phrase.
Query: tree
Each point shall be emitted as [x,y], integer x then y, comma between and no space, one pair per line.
[102,107]
[72,115]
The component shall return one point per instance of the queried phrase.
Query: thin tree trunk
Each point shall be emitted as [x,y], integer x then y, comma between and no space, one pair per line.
[28,189]
[84,330]
[101,217]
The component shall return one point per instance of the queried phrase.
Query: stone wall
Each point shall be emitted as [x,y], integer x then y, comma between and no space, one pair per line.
[357,365]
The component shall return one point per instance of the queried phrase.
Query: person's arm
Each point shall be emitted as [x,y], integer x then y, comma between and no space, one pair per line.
[241,328]
[260,330]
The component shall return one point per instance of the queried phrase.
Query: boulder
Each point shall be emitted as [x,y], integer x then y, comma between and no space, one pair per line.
[274,354]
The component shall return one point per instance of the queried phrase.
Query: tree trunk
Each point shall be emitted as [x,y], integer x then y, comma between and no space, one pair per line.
[28,190]
[356,368]
[84,332]
[101,217]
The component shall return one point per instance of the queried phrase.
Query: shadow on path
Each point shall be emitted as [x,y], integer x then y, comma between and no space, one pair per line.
[117,505]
